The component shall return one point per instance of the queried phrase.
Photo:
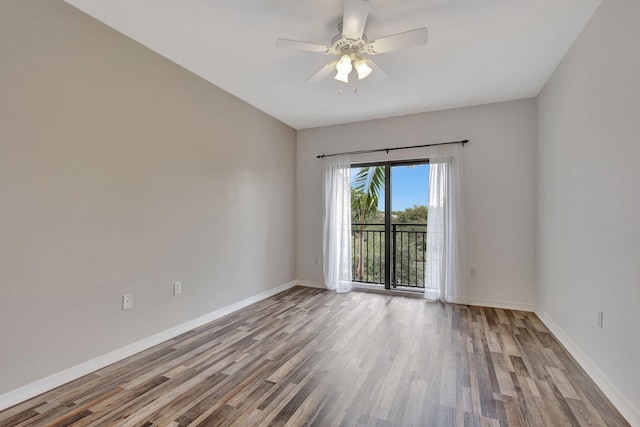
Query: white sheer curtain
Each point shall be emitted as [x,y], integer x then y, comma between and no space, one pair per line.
[337,223]
[445,266]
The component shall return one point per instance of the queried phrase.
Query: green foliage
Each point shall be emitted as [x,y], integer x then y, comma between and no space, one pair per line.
[413,215]
[365,194]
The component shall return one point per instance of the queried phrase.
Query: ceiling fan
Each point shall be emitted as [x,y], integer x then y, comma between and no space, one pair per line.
[353,49]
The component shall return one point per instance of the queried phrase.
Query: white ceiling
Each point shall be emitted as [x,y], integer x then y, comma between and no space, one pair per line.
[479,51]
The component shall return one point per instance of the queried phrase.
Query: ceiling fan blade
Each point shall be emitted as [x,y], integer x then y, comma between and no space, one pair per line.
[377,74]
[411,38]
[354,18]
[309,47]
[322,73]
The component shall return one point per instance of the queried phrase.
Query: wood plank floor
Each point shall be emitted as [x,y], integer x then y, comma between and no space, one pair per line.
[312,357]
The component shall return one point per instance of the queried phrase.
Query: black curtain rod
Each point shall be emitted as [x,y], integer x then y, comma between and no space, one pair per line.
[378,150]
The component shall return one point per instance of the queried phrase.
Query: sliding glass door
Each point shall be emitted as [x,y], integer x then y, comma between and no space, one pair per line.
[389,223]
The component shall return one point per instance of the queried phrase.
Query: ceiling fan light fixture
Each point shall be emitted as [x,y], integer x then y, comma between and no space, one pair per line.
[344,65]
[343,68]
[362,68]
[343,77]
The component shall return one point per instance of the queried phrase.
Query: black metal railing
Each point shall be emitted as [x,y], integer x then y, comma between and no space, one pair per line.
[408,253]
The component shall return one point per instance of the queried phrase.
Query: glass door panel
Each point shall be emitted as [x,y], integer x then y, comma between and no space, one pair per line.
[409,201]
[368,224]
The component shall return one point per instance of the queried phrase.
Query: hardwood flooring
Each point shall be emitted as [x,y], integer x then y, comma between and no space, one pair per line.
[313,357]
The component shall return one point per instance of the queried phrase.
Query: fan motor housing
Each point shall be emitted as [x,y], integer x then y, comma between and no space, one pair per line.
[342,45]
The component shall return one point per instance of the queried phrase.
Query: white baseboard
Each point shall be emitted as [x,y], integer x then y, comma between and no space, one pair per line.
[507,305]
[618,399]
[40,386]
[311,284]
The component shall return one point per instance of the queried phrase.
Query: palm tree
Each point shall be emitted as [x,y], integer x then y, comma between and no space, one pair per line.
[365,194]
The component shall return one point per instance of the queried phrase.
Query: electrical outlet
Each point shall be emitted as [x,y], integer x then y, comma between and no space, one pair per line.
[177,288]
[473,272]
[127,301]
[600,319]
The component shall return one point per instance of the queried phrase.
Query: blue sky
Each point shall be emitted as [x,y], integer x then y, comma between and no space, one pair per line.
[410,186]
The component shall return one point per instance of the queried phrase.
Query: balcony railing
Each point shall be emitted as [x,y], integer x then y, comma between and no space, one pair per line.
[408,254]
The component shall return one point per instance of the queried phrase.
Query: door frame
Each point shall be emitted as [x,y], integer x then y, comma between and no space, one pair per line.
[387,207]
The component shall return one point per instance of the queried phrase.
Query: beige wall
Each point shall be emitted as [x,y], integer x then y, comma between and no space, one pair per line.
[589,199]
[500,189]
[120,172]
